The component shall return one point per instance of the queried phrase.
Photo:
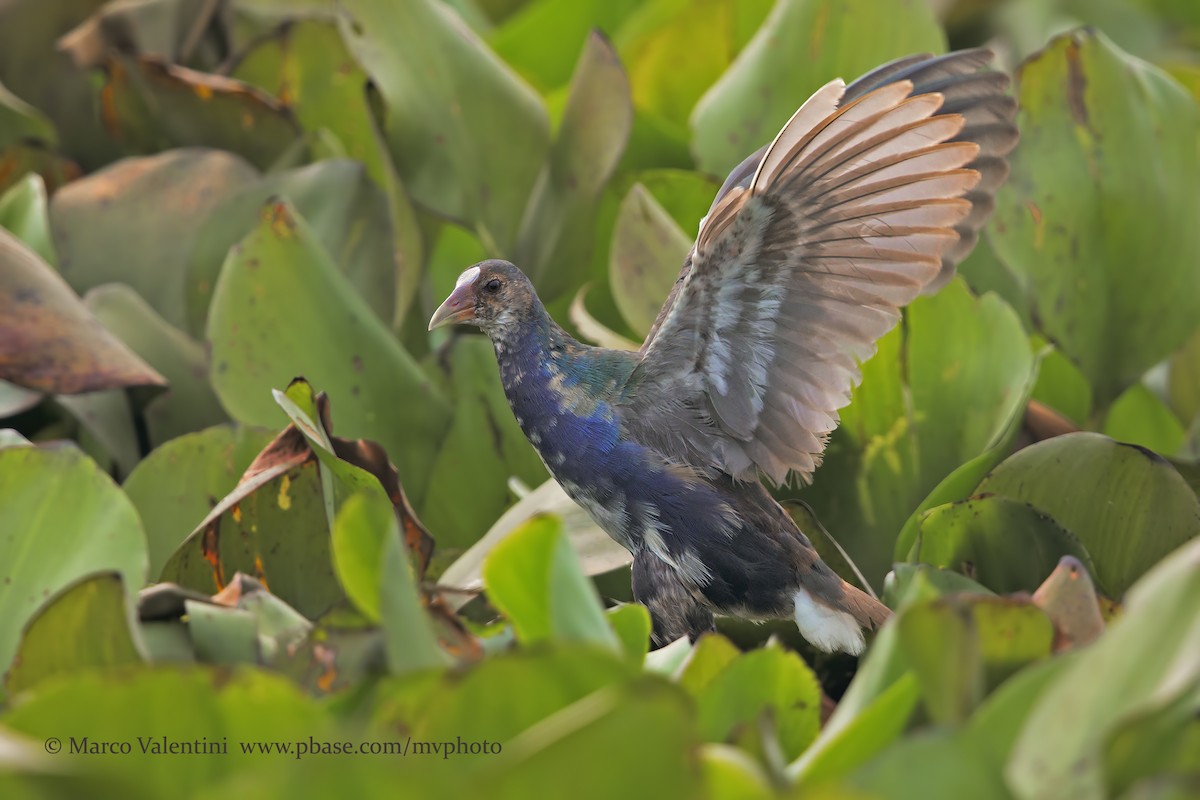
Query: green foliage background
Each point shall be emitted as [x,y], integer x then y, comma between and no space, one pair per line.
[201,200]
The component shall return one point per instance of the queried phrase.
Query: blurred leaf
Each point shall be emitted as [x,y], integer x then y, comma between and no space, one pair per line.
[374,570]
[554,241]
[222,635]
[1085,105]
[596,550]
[349,219]
[189,403]
[729,773]
[1139,417]
[21,159]
[1156,743]
[1005,545]
[60,518]
[1147,509]
[631,623]
[647,250]
[1063,387]
[315,324]
[948,768]
[151,106]
[769,681]
[592,330]
[177,485]
[48,339]
[482,449]
[984,272]
[14,399]
[159,202]
[708,658]
[644,726]
[939,640]
[1183,382]
[967,366]
[23,212]
[1146,657]
[535,579]
[802,45]
[20,121]
[106,421]
[86,625]
[446,96]
[1069,599]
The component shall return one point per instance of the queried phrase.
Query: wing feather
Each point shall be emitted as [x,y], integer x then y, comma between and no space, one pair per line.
[806,256]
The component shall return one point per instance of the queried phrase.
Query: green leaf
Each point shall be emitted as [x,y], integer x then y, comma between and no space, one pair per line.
[802,45]
[176,486]
[631,623]
[708,658]
[1085,105]
[729,773]
[770,681]
[316,325]
[1063,387]
[60,518]
[23,211]
[1005,545]
[1146,657]
[222,635]
[446,96]
[1183,381]
[1154,744]
[375,572]
[1139,417]
[89,624]
[19,121]
[648,248]
[1147,510]
[535,579]
[160,202]
[948,768]
[555,239]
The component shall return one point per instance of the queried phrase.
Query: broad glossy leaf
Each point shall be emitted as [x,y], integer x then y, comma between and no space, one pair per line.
[1085,106]
[315,324]
[1139,417]
[948,768]
[49,340]
[769,681]
[648,248]
[802,45]
[1128,506]
[189,403]
[60,518]
[159,202]
[89,624]
[1006,545]
[447,95]
[708,658]
[1147,656]
[536,580]
[631,623]
[374,570]
[151,106]
[23,212]
[482,450]
[106,428]
[554,242]
[349,219]
[176,486]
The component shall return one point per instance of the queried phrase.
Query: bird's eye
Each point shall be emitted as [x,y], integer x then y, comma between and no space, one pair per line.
[492,286]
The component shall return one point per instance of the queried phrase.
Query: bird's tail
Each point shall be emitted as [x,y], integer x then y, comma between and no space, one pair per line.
[838,623]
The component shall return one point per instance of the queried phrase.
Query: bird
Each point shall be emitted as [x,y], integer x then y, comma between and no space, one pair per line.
[869,196]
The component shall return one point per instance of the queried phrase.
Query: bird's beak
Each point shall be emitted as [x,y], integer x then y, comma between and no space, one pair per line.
[458,307]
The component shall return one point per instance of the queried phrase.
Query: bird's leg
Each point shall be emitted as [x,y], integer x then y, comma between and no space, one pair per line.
[675,609]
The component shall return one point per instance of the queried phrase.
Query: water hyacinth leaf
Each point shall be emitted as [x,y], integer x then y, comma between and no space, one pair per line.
[596,550]
[189,403]
[1069,599]
[728,773]
[446,93]
[154,106]
[536,580]
[940,642]
[1183,381]
[710,656]
[211,708]
[317,325]
[176,486]
[1006,545]
[1146,657]
[648,248]
[80,521]
[948,767]
[1148,511]
[542,40]
[631,623]
[1139,417]
[106,422]
[23,211]
[348,215]
[20,121]
[1084,104]
[482,449]
[1154,744]
[1063,387]
[94,220]
[48,339]
[645,726]
[222,635]
[375,572]
[769,681]
[554,242]
[88,625]
[781,67]
[14,399]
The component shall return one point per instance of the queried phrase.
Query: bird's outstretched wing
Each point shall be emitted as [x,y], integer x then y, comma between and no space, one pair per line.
[868,196]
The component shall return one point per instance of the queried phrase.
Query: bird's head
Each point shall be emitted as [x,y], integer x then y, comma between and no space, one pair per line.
[492,295]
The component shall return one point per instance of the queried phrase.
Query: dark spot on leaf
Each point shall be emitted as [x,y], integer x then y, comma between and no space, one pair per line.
[1076,84]
[357,363]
